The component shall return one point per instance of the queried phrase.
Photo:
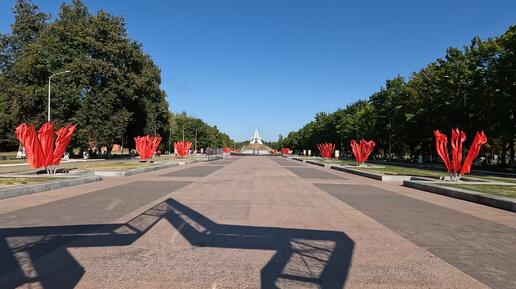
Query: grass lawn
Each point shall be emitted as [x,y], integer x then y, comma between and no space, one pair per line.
[8,154]
[498,179]
[108,166]
[341,162]
[13,161]
[328,161]
[503,191]
[403,171]
[7,181]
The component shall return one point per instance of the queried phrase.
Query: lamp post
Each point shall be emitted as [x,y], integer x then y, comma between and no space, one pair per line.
[195,141]
[49,79]
[169,140]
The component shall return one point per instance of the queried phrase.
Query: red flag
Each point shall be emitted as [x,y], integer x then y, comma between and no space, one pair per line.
[26,134]
[40,147]
[182,148]
[326,149]
[146,146]
[46,139]
[362,150]
[458,137]
[441,141]
[479,140]
[64,135]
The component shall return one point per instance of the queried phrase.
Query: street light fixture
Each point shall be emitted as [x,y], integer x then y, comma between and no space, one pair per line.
[50,78]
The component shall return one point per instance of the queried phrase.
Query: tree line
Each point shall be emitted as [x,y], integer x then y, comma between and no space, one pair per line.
[201,134]
[473,88]
[112,92]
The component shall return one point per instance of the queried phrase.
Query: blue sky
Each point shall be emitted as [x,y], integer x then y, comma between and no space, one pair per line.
[272,64]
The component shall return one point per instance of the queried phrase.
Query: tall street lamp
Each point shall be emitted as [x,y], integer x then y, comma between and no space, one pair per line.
[195,140]
[49,79]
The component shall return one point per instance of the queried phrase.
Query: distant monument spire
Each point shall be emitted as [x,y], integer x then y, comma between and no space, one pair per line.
[256,139]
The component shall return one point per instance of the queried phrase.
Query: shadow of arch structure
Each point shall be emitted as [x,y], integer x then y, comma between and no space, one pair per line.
[324,255]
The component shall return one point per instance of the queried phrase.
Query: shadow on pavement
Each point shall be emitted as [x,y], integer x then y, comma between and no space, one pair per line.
[302,257]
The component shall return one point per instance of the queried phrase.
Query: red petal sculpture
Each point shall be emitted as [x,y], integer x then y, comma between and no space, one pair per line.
[182,148]
[458,137]
[227,150]
[141,145]
[146,146]
[40,148]
[285,151]
[362,150]
[26,134]
[441,141]
[326,149]
[155,143]
[46,139]
[64,135]
[479,140]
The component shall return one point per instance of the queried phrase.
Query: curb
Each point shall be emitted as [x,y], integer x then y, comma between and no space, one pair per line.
[466,195]
[315,163]
[142,170]
[37,188]
[318,164]
[378,177]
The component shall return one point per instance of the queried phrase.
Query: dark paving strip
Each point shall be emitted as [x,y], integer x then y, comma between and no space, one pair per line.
[311,173]
[485,250]
[45,228]
[221,162]
[92,208]
[199,171]
[287,163]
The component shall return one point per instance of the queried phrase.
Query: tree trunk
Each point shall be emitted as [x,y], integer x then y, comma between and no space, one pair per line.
[511,148]
[502,157]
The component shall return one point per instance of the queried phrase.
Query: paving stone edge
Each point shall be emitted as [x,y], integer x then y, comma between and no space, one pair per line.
[133,172]
[466,195]
[37,188]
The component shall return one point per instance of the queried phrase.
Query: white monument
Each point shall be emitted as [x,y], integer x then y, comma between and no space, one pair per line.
[256,139]
[256,146]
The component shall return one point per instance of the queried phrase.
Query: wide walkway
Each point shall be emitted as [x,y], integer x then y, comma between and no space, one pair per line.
[252,222]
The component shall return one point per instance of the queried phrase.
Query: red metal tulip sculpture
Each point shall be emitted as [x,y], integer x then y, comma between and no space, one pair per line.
[362,150]
[326,149]
[146,146]
[227,150]
[182,148]
[457,169]
[40,147]
[284,151]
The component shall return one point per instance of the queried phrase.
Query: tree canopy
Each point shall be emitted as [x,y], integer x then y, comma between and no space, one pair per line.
[112,93]
[473,88]
[202,135]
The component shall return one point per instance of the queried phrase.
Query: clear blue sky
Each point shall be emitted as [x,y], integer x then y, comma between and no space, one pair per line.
[272,64]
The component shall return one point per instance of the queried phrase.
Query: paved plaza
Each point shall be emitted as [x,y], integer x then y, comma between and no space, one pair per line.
[252,222]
